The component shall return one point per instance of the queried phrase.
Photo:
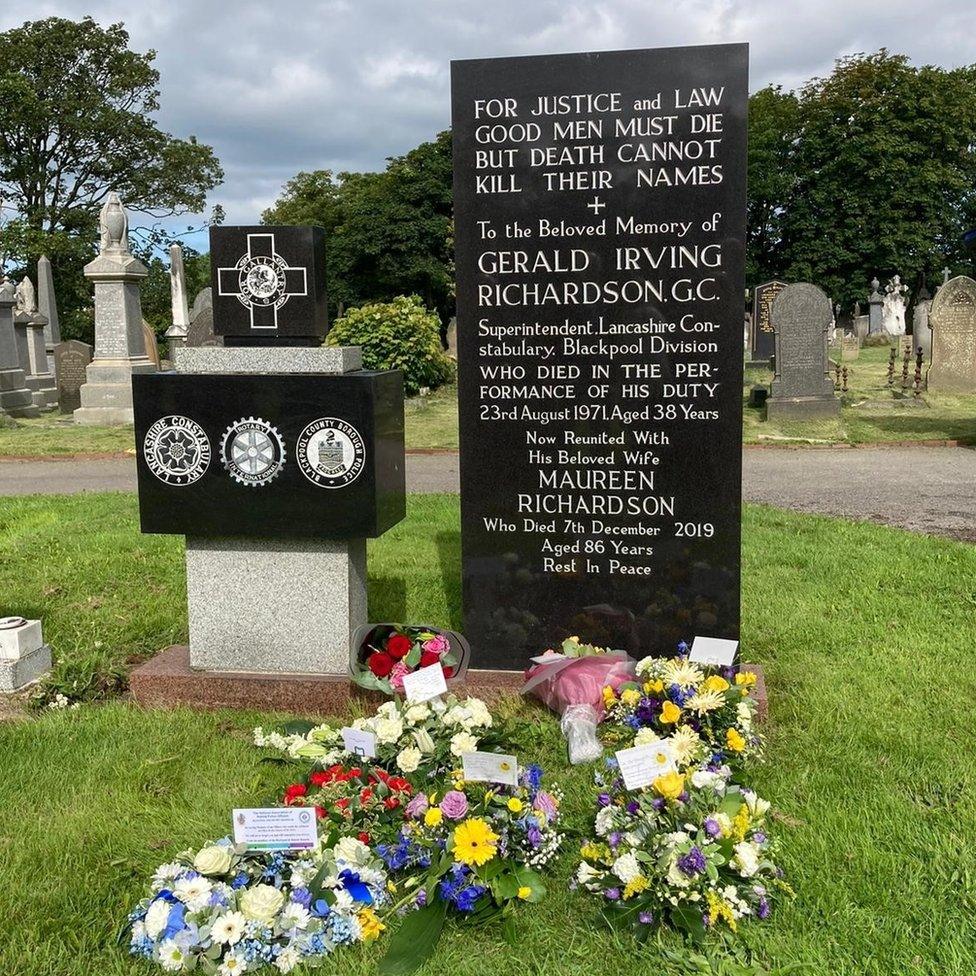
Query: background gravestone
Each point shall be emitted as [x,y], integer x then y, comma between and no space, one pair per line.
[600,374]
[921,333]
[952,319]
[763,335]
[149,338]
[71,359]
[802,386]
[201,330]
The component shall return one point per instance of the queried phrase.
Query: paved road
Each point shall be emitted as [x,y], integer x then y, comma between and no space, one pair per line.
[929,489]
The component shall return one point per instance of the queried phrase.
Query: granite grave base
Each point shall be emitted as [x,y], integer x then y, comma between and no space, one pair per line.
[168,681]
[798,408]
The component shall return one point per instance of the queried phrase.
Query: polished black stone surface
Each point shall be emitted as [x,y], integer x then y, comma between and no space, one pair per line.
[600,244]
[763,333]
[270,456]
[269,285]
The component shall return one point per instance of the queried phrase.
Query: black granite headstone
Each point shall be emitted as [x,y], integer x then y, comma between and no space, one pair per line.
[270,455]
[763,334]
[269,285]
[599,207]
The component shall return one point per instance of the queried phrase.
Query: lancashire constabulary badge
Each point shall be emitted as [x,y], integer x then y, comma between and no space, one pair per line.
[176,450]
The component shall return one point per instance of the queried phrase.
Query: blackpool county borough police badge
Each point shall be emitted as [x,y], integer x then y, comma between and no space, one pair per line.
[330,453]
[177,450]
[252,451]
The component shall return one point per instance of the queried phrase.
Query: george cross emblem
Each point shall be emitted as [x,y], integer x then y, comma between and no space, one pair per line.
[262,281]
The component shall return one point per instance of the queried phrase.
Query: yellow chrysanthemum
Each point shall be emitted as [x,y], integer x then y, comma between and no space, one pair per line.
[670,785]
[433,817]
[370,926]
[685,744]
[682,673]
[670,713]
[515,804]
[704,701]
[630,696]
[746,678]
[524,892]
[475,842]
[715,682]
[636,886]
[734,740]
[608,696]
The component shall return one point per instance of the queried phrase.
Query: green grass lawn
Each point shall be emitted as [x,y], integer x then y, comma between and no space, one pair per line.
[432,424]
[866,634]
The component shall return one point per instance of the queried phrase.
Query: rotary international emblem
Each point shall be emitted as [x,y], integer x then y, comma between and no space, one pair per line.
[252,451]
[331,453]
[176,450]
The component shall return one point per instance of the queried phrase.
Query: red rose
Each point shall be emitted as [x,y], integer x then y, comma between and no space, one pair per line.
[399,645]
[366,796]
[320,813]
[391,803]
[363,836]
[319,778]
[398,784]
[428,657]
[294,792]
[448,672]
[380,664]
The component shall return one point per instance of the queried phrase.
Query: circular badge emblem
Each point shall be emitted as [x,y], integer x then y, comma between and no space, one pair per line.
[331,453]
[177,450]
[252,451]
[262,280]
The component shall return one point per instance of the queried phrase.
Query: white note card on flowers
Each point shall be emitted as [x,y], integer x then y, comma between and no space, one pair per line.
[713,650]
[490,767]
[641,765]
[359,742]
[276,828]
[424,684]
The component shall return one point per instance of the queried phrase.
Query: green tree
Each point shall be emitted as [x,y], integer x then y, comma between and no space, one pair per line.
[76,121]
[772,135]
[883,174]
[388,233]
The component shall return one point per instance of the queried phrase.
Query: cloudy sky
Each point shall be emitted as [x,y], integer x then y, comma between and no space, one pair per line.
[278,87]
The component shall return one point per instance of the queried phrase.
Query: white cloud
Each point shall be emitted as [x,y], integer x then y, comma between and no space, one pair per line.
[281,86]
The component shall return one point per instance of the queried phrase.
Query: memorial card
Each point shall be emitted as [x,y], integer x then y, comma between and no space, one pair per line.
[714,651]
[490,767]
[641,765]
[276,828]
[424,684]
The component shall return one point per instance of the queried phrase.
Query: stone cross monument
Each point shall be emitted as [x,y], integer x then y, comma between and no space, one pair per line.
[15,397]
[120,347]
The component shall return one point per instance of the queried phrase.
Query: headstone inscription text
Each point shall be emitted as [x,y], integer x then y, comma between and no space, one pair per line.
[763,334]
[952,319]
[71,359]
[600,222]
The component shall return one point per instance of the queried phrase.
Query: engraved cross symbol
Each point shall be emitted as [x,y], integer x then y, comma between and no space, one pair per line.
[597,205]
[262,281]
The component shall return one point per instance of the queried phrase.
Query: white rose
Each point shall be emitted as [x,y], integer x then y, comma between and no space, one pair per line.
[424,741]
[746,859]
[409,759]
[213,860]
[463,742]
[262,903]
[388,730]
[156,918]
[702,779]
[626,867]
[418,713]
[352,850]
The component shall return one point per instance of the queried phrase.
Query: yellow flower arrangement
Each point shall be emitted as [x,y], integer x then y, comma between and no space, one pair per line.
[630,696]
[636,886]
[718,909]
[740,823]
[475,843]
[670,785]
[514,804]
[745,678]
[370,925]
[734,740]
[433,817]
[654,687]
[715,682]
[670,713]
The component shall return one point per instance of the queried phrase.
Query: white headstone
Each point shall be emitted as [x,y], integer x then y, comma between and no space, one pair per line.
[893,307]
[177,288]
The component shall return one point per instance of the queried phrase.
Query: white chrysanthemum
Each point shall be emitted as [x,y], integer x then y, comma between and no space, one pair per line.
[463,742]
[651,668]
[682,673]
[703,702]
[373,876]
[156,918]
[171,957]
[344,902]
[408,759]
[388,730]
[418,712]
[229,928]
[351,850]
[194,892]
[627,868]
[685,745]
[287,959]
[746,859]
[604,821]
[294,916]
[166,872]
[139,931]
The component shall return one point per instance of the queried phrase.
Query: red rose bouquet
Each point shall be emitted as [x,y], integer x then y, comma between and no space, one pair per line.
[384,653]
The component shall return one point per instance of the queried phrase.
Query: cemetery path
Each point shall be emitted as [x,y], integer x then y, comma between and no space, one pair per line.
[931,489]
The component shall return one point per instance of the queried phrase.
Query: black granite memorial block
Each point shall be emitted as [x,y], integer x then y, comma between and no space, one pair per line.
[763,333]
[270,456]
[269,285]
[599,205]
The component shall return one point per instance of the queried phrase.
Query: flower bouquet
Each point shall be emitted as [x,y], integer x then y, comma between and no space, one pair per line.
[710,710]
[223,910]
[691,851]
[474,851]
[411,737]
[383,653]
[571,682]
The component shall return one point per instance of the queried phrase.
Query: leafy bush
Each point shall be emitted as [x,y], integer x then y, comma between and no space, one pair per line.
[400,334]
